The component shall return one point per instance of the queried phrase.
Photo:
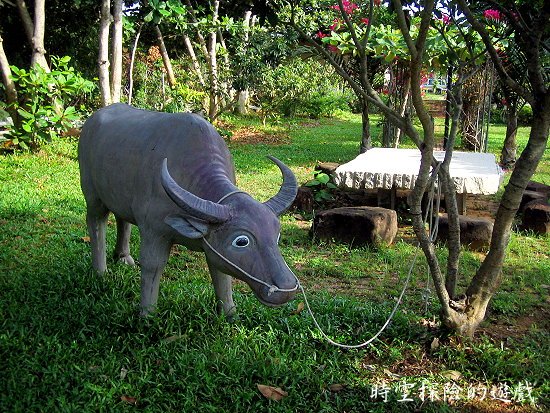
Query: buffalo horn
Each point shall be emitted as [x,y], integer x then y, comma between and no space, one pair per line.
[285,197]
[191,204]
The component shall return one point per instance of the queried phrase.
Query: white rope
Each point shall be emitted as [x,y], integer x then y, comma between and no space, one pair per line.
[272,288]
[366,343]
[432,232]
[232,193]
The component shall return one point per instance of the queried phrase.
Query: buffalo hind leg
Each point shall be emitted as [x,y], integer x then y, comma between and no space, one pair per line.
[153,256]
[96,220]
[224,292]
[122,248]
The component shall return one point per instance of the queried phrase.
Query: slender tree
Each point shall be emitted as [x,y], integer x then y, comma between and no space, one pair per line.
[116,52]
[531,27]
[242,105]
[103,53]
[34,29]
[11,91]
[110,83]
[530,24]
[165,58]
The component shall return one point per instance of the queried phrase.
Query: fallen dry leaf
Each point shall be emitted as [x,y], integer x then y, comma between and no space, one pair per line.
[299,308]
[452,375]
[129,399]
[173,338]
[123,373]
[389,373]
[335,388]
[272,393]
[85,239]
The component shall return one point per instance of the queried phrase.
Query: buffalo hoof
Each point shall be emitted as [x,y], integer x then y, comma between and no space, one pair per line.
[127,260]
[232,318]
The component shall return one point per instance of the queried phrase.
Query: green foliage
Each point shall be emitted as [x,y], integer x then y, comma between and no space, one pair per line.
[324,103]
[149,93]
[300,87]
[48,102]
[184,99]
[525,115]
[250,59]
[158,9]
[321,186]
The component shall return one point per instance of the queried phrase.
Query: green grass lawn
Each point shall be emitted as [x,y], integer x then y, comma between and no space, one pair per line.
[73,341]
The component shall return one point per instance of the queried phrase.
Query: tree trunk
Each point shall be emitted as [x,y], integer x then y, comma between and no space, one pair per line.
[28,24]
[165,58]
[488,277]
[242,105]
[131,69]
[214,102]
[38,50]
[194,60]
[200,37]
[455,94]
[405,93]
[116,57]
[225,91]
[366,139]
[35,31]
[103,53]
[11,92]
[509,148]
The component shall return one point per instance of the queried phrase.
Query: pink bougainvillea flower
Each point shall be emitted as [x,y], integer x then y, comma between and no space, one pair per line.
[349,7]
[365,20]
[320,34]
[492,14]
[446,19]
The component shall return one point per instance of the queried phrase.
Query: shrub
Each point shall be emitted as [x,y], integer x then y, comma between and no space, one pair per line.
[150,93]
[324,104]
[498,116]
[48,102]
[525,115]
[300,87]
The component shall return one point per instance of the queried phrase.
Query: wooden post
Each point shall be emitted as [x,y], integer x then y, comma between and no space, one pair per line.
[461,203]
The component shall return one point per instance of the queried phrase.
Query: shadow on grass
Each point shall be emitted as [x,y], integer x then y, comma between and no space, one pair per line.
[73,340]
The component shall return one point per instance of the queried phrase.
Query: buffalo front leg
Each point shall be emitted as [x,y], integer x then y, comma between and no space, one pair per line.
[96,220]
[223,290]
[153,256]
[122,248]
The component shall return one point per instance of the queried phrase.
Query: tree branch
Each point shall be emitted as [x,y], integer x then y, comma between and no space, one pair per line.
[402,23]
[487,41]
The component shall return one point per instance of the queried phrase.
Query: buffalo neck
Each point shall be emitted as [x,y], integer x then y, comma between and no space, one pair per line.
[211,178]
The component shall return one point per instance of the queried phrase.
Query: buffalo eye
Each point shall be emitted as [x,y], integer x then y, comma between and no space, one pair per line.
[241,241]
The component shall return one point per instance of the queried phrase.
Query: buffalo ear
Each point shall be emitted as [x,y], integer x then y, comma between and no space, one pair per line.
[189,227]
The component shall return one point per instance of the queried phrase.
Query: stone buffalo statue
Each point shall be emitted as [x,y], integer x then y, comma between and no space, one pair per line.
[172,175]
